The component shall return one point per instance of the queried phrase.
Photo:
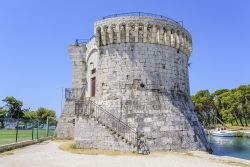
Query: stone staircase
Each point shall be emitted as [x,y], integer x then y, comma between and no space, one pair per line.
[89,109]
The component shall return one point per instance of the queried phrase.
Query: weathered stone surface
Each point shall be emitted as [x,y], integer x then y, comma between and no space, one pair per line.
[141,69]
[91,135]
[65,128]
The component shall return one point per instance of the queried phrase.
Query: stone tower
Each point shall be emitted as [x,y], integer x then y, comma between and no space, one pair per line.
[135,68]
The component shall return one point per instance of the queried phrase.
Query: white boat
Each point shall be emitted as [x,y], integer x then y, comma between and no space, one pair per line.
[222,132]
[247,134]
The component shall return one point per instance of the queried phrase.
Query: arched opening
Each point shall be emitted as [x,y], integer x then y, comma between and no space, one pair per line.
[114,33]
[149,33]
[92,70]
[106,34]
[157,40]
[123,32]
[99,36]
[131,33]
[140,32]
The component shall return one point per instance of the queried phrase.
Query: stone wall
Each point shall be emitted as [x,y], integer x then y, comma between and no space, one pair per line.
[91,135]
[79,68]
[141,66]
[65,127]
[146,85]
[77,53]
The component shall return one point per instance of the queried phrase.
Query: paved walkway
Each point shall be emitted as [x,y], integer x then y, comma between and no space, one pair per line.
[47,154]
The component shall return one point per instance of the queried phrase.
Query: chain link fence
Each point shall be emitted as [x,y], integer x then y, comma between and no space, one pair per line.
[18,130]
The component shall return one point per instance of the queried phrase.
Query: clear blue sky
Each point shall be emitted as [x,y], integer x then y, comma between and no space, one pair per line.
[34,35]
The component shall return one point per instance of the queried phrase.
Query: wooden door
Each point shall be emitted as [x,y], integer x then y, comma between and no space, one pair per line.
[93,83]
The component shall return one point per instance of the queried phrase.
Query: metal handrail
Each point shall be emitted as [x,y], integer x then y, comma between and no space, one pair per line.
[115,124]
[143,14]
[88,108]
[79,42]
[117,119]
[112,122]
[74,93]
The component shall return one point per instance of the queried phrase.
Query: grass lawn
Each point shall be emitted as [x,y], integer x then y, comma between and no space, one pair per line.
[9,135]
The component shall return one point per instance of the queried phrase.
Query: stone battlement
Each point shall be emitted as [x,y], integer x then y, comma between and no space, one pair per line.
[143,29]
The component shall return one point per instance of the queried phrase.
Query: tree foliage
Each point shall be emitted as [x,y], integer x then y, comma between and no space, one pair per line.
[43,113]
[28,115]
[13,109]
[228,106]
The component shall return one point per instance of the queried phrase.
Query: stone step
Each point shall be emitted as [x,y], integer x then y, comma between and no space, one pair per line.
[115,133]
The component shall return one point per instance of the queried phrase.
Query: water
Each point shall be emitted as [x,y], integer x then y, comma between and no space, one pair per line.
[230,146]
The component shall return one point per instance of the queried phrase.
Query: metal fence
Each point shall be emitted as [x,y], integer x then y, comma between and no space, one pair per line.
[144,14]
[18,130]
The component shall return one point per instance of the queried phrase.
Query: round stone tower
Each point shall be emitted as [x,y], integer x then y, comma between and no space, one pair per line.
[137,69]
[142,78]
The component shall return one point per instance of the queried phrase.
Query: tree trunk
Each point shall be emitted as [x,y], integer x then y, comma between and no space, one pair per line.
[236,122]
[245,120]
[1,124]
[235,116]
[241,121]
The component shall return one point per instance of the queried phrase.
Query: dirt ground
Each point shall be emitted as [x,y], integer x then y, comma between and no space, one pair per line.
[48,154]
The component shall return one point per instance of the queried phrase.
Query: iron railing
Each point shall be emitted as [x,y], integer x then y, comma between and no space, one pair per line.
[72,94]
[126,132]
[144,14]
[79,42]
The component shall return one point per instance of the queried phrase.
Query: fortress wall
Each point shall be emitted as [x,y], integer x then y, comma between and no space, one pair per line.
[91,135]
[141,78]
[146,85]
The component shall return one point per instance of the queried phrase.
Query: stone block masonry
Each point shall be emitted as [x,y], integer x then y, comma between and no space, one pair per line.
[92,135]
[136,68]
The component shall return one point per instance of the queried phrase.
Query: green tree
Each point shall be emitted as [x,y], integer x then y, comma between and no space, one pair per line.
[13,107]
[244,90]
[230,106]
[217,102]
[2,116]
[204,105]
[43,113]
[29,115]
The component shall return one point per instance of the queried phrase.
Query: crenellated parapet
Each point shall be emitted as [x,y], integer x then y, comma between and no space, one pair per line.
[143,29]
